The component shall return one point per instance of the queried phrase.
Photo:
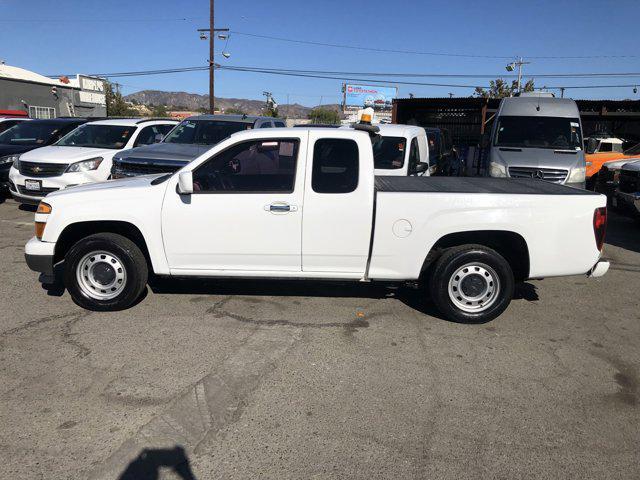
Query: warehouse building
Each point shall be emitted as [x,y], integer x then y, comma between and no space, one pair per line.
[28,93]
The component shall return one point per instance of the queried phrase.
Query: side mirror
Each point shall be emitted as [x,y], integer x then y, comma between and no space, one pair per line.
[592,144]
[158,138]
[421,167]
[185,183]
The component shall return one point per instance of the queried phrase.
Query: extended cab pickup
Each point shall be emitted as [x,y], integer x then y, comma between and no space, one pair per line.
[304,203]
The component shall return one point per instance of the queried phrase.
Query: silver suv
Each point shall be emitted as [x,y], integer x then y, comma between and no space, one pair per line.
[187,141]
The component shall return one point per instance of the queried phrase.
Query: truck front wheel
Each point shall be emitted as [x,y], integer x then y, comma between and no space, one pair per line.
[471,284]
[105,272]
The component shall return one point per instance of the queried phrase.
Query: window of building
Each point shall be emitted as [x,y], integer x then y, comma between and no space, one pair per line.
[42,112]
[335,166]
[250,167]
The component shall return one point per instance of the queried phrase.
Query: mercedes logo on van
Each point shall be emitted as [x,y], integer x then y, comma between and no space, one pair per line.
[539,174]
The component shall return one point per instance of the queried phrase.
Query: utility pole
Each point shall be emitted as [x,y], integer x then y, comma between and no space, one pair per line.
[561,92]
[511,67]
[211,64]
[212,33]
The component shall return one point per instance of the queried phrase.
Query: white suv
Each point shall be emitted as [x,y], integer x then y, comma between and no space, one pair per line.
[82,156]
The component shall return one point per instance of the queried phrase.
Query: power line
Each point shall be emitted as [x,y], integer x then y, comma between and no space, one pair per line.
[416,52]
[352,76]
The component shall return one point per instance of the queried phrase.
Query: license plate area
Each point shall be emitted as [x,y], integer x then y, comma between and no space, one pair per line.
[33,185]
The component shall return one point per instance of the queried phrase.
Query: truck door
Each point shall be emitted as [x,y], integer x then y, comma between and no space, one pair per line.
[245,213]
[338,203]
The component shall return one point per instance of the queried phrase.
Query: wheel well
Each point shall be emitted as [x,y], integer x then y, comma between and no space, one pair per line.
[510,245]
[77,231]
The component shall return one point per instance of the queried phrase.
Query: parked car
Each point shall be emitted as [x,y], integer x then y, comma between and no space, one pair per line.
[8,122]
[628,193]
[304,203]
[601,151]
[25,136]
[608,178]
[187,141]
[538,137]
[82,156]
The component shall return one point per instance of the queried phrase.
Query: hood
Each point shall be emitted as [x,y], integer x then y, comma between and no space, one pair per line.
[537,157]
[632,166]
[13,149]
[130,183]
[617,164]
[55,154]
[180,152]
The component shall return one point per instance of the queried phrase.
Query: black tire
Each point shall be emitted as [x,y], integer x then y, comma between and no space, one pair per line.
[131,260]
[486,261]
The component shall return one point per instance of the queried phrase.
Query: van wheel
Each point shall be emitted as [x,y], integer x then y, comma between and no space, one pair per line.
[471,284]
[105,272]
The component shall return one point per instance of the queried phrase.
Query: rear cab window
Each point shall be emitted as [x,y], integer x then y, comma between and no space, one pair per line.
[335,166]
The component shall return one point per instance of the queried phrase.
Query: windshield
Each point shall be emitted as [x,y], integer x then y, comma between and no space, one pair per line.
[204,132]
[98,136]
[29,133]
[539,132]
[388,152]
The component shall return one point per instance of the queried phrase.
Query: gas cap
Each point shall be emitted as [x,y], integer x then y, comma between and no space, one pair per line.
[402,228]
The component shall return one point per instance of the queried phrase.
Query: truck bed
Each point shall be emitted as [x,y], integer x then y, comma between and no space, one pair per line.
[512,186]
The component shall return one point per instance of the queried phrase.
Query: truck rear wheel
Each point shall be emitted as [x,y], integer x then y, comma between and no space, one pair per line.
[471,284]
[105,272]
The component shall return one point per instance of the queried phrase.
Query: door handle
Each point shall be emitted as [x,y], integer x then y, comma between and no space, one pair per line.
[280,208]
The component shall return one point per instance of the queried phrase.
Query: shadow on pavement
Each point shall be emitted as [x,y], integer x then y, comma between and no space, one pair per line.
[147,465]
[623,232]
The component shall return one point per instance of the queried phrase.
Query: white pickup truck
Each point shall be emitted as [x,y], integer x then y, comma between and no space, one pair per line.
[304,203]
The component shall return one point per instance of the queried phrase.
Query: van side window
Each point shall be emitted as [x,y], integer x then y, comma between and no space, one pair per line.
[335,166]
[414,155]
[279,124]
[266,125]
[250,167]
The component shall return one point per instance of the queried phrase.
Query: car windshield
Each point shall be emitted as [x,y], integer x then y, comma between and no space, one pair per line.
[388,152]
[204,132]
[98,136]
[538,132]
[29,133]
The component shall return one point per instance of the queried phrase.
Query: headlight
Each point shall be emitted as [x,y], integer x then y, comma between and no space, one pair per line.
[577,175]
[10,159]
[85,165]
[497,170]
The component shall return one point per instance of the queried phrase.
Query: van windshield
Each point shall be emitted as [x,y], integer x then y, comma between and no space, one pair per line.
[388,152]
[538,132]
[204,132]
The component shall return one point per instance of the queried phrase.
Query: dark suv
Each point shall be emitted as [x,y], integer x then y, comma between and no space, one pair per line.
[187,141]
[26,136]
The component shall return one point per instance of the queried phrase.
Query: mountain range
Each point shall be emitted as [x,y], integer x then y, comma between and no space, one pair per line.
[194,102]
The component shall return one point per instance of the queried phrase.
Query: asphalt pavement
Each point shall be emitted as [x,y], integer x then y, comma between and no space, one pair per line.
[288,380]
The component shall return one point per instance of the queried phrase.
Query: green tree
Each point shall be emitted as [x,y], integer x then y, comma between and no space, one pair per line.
[271,111]
[324,115]
[234,111]
[116,104]
[159,111]
[501,88]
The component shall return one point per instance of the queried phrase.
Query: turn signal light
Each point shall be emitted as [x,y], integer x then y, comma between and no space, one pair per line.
[43,208]
[600,226]
[40,229]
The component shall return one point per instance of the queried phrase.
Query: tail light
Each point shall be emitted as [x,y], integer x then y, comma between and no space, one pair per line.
[600,226]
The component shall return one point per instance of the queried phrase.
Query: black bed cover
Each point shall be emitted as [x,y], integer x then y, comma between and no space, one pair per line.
[513,186]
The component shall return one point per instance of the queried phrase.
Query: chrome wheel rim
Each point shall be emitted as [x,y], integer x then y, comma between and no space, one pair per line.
[474,287]
[101,275]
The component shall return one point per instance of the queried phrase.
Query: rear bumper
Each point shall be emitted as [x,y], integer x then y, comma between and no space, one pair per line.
[39,256]
[599,269]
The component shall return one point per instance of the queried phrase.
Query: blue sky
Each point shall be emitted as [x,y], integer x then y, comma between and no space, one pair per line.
[89,36]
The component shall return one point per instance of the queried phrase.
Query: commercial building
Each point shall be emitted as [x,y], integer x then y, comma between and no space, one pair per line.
[38,96]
